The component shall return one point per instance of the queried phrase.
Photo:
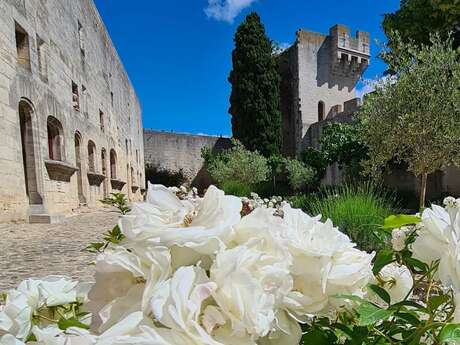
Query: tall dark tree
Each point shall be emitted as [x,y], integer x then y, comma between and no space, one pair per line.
[255,97]
[417,19]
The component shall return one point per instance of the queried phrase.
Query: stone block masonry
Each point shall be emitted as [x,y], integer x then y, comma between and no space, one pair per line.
[176,152]
[71,123]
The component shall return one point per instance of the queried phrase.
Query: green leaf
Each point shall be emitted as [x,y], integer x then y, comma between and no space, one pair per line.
[397,221]
[416,265]
[435,301]
[94,247]
[450,333]
[72,322]
[381,292]
[383,258]
[316,336]
[409,318]
[370,313]
[413,304]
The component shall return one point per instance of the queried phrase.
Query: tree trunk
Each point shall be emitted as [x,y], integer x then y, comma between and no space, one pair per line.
[423,190]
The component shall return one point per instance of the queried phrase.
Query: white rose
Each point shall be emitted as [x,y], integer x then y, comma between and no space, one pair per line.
[125,281]
[251,284]
[190,231]
[177,303]
[287,331]
[318,250]
[449,267]
[126,331]
[8,339]
[52,335]
[396,280]
[434,235]
[350,272]
[32,294]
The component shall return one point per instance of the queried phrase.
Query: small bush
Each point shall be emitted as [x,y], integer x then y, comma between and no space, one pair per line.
[237,164]
[236,188]
[299,175]
[357,210]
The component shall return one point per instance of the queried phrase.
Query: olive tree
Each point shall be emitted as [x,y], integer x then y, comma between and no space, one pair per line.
[414,116]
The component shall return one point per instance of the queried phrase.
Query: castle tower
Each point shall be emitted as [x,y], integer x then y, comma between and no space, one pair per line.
[319,75]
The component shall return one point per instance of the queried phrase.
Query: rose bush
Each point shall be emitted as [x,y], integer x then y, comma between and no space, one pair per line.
[191,270]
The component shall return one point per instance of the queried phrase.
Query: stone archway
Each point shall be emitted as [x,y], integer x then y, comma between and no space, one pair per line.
[28,153]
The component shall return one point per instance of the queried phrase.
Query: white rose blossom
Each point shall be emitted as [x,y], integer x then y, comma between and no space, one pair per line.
[190,231]
[192,271]
[33,294]
[396,280]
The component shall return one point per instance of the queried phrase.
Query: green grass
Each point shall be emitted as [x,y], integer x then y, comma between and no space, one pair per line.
[357,210]
[236,188]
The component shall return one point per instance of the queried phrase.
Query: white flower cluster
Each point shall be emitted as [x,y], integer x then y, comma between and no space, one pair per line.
[277,203]
[197,273]
[31,308]
[439,239]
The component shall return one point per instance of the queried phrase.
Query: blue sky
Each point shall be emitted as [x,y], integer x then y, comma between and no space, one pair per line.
[178,52]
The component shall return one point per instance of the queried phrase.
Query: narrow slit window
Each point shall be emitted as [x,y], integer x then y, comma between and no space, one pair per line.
[101,121]
[321,108]
[75,97]
[22,46]
[42,58]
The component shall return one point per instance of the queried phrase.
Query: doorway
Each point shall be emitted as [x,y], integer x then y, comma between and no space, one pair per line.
[28,153]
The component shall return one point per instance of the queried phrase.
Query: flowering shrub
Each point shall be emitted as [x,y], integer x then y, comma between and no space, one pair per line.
[193,271]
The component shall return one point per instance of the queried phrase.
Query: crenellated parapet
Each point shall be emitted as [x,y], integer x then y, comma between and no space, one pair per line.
[350,55]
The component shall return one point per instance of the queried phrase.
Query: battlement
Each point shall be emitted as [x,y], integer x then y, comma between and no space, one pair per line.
[350,54]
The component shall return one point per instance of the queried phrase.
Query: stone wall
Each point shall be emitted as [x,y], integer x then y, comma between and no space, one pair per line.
[63,88]
[176,152]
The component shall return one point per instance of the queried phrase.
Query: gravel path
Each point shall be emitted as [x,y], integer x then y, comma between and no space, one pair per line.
[37,250]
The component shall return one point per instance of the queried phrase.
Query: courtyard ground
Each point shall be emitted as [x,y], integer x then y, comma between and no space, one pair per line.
[37,250]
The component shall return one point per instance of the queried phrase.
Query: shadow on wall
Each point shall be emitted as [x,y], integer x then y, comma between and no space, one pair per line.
[174,159]
[324,70]
[202,179]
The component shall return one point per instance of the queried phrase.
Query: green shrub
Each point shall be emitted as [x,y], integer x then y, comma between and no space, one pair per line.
[236,188]
[299,175]
[357,210]
[237,164]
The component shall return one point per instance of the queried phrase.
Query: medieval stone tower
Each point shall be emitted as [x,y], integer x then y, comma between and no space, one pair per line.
[319,77]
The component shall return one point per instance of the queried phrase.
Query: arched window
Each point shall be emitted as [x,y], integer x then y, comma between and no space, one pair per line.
[113,164]
[91,154]
[321,111]
[55,139]
[133,177]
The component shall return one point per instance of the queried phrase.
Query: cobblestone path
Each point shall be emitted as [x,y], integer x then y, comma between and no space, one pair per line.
[37,250]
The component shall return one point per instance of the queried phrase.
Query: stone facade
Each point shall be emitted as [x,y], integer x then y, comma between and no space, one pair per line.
[319,76]
[70,119]
[176,152]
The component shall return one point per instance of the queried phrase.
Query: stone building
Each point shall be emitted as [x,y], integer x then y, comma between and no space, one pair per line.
[319,76]
[70,120]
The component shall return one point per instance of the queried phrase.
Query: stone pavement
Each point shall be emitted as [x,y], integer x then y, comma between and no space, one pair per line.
[37,250]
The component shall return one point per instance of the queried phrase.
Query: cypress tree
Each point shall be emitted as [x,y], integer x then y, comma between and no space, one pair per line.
[255,97]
